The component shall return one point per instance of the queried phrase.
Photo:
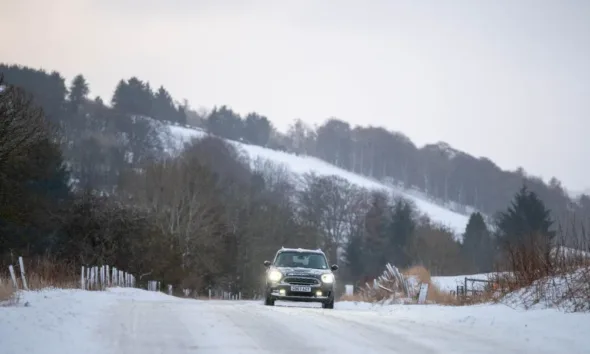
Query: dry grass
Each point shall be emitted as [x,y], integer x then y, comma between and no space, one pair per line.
[390,289]
[7,291]
[419,275]
[40,273]
[553,276]
[435,295]
[47,273]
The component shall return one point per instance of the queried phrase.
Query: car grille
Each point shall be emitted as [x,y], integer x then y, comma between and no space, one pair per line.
[301,281]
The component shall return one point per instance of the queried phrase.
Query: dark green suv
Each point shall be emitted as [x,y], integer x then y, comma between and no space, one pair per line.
[298,274]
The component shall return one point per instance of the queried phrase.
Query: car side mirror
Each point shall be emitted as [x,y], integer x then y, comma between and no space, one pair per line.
[267,264]
[334,267]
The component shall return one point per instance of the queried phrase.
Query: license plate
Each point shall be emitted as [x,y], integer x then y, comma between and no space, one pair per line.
[301,288]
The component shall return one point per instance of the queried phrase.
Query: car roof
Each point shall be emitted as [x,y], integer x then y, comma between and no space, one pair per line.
[305,250]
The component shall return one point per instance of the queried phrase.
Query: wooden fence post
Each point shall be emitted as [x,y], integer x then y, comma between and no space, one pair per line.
[22,273]
[13,276]
[88,284]
[82,282]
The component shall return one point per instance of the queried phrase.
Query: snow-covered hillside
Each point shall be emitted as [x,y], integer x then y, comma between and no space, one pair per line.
[177,136]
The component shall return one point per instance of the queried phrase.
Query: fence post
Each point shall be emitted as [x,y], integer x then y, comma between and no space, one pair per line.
[13,276]
[96,277]
[91,278]
[82,282]
[209,294]
[465,289]
[22,273]
[88,284]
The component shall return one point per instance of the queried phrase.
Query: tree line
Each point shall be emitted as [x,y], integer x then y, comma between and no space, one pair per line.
[93,184]
[444,174]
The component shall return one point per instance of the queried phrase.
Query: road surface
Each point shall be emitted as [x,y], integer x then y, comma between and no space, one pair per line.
[234,327]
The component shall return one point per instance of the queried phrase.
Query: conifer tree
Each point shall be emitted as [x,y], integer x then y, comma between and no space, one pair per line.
[477,248]
[526,215]
[401,230]
[78,92]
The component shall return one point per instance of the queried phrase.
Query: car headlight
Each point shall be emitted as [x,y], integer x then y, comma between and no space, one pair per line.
[274,275]
[328,278]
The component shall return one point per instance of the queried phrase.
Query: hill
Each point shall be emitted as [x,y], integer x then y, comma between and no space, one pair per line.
[301,164]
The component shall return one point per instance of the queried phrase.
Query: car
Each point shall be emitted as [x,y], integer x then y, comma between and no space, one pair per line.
[298,274]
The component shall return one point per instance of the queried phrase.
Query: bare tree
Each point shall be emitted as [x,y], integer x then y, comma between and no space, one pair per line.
[326,203]
[182,196]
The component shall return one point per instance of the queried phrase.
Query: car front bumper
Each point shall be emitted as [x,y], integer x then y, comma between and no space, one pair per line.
[282,291]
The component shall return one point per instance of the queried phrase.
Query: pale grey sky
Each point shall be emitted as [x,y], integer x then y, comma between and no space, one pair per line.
[505,79]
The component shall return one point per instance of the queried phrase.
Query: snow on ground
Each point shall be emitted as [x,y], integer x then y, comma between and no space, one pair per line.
[61,321]
[541,331]
[450,283]
[300,165]
[136,321]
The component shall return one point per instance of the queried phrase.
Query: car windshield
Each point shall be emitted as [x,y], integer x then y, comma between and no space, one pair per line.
[301,260]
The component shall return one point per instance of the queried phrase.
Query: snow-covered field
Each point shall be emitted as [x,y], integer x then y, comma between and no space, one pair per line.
[135,321]
[450,283]
[300,165]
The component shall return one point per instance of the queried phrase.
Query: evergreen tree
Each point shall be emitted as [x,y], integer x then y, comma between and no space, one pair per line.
[133,97]
[256,129]
[78,92]
[401,230]
[225,123]
[354,256]
[48,90]
[163,106]
[120,96]
[181,116]
[32,174]
[477,248]
[376,235]
[526,216]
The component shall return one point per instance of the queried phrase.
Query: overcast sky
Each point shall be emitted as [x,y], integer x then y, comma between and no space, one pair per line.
[509,80]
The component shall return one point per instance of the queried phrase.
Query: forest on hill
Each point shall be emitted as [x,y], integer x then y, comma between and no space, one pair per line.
[91,183]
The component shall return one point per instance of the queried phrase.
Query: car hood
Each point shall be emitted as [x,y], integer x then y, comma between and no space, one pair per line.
[302,272]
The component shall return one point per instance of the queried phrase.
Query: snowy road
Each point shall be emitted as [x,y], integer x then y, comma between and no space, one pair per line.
[249,327]
[134,321]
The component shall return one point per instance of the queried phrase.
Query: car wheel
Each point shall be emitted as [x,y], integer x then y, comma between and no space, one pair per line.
[329,304]
[268,301]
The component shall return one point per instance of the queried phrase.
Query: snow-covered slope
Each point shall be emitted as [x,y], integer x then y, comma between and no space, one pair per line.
[303,164]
